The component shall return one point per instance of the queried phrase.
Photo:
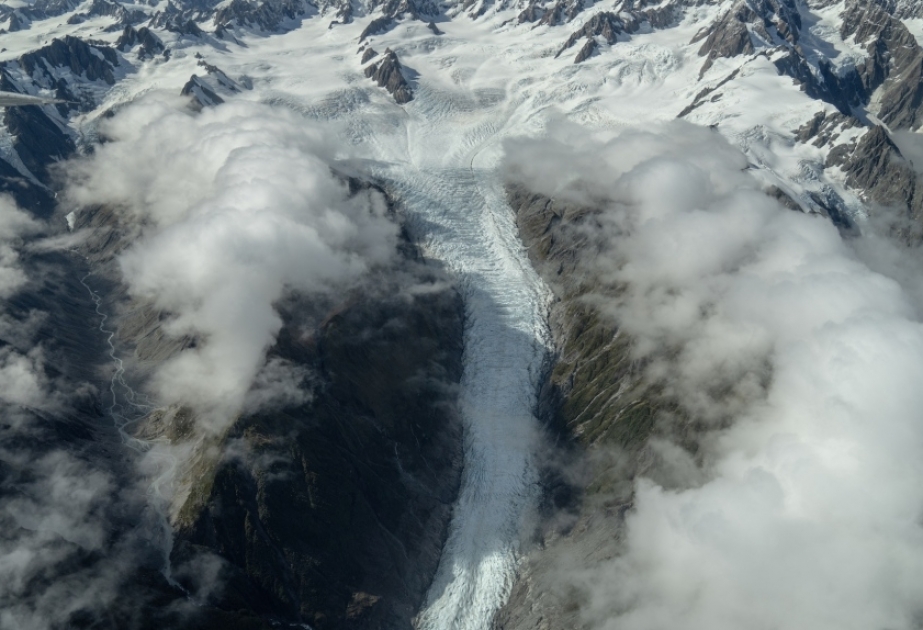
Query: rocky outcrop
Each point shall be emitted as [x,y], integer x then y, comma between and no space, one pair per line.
[747,25]
[344,528]
[104,8]
[37,199]
[377,26]
[94,62]
[708,95]
[885,177]
[149,45]
[204,91]
[76,71]
[21,17]
[825,129]
[38,140]
[894,63]
[388,73]
[368,55]
[591,398]
[590,48]
[267,16]
[182,21]
[821,81]
[201,93]
[893,66]
[392,11]
[560,12]
[605,25]
[907,9]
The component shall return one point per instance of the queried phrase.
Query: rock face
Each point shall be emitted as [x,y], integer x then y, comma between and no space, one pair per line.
[205,91]
[345,527]
[331,512]
[368,55]
[27,194]
[201,93]
[878,168]
[388,73]
[263,16]
[21,17]
[149,45]
[76,71]
[591,397]
[606,25]
[103,8]
[95,62]
[894,64]
[765,21]
[377,26]
[39,142]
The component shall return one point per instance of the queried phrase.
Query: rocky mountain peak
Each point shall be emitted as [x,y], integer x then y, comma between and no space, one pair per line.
[389,74]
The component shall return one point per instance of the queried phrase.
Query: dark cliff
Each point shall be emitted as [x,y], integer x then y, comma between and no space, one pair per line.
[331,512]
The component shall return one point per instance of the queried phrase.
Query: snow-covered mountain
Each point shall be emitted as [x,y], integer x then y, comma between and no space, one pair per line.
[278,207]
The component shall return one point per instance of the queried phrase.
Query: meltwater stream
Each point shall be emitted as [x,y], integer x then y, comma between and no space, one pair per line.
[127,407]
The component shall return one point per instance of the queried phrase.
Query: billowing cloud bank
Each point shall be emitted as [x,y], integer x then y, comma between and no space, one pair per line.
[801,366]
[239,207]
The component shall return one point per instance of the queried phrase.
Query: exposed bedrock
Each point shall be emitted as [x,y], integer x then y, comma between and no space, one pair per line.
[333,511]
[389,74]
[591,401]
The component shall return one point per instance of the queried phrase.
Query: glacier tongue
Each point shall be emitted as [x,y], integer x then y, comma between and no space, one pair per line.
[459,213]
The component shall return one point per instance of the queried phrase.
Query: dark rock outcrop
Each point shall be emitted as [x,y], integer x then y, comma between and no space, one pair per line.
[590,48]
[149,45]
[388,74]
[267,16]
[44,9]
[103,8]
[885,177]
[709,94]
[825,129]
[94,62]
[18,22]
[377,26]
[38,140]
[749,24]
[344,528]
[894,63]
[75,70]
[37,199]
[590,397]
[606,25]
[205,91]
[201,93]
[176,20]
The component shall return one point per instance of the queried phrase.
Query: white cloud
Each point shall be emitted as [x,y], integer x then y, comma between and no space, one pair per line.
[809,511]
[239,207]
